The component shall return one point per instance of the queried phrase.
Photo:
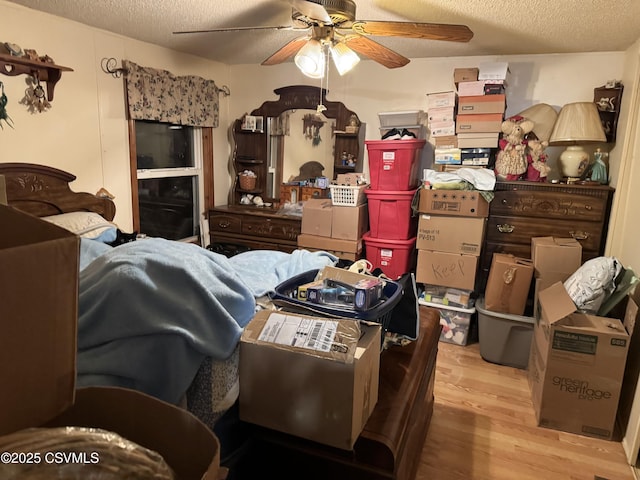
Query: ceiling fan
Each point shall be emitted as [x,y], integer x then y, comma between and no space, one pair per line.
[332,24]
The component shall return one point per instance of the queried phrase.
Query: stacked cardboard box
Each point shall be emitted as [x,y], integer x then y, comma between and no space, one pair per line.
[480,111]
[449,241]
[337,229]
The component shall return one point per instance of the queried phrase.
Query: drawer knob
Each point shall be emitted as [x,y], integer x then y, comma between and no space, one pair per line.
[579,234]
[224,223]
[505,201]
[505,228]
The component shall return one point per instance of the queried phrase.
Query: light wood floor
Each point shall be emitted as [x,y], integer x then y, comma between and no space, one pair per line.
[484,428]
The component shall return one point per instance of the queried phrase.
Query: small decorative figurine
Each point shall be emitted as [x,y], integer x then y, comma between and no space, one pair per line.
[599,169]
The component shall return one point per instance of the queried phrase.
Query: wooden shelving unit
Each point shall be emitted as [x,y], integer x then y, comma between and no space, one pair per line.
[50,73]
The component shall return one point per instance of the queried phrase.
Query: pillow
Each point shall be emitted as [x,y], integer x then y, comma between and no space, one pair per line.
[84,224]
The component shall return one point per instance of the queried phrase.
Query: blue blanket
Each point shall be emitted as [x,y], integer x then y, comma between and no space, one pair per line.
[150,311]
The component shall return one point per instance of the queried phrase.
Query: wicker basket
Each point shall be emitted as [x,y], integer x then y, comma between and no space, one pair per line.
[348,195]
[247,182]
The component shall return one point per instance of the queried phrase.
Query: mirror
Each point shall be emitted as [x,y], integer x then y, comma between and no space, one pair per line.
[295,135]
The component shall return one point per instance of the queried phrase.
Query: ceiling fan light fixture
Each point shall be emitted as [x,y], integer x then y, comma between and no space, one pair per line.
[310,59]
[343,57]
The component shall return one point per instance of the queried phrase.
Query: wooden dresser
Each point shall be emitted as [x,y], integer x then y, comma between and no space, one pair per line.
[521,210]
[250,227]
[391,444]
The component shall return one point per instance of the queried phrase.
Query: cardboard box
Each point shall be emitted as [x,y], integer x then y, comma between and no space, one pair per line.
[317,217]
[442,129]
[447,156]
[469,89]
[475,156]
[478,140]
[576,367]
[349,223]
[493,71]
[441,114]
[39,285]
[464,203]
[482,104]
[344,249]
[446,269]
[450,234]
[323,391]
[448,141]
[483,122]
[508,284]
[553,254]
[465,74]
[441,99]
[554,260]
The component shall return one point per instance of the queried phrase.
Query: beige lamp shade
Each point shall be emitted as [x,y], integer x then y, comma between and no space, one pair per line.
[578,123]
[543,117]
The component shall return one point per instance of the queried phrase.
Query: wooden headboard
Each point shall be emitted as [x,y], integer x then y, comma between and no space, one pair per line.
[41,191]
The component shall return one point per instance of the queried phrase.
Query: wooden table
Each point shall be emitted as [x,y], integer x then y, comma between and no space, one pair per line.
[392,440]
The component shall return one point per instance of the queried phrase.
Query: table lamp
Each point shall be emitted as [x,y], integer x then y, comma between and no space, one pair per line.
[577,124]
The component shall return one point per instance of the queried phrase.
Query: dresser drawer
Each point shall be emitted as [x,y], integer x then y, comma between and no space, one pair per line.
[225,223]
[549,204]
[272,228]
[520,230]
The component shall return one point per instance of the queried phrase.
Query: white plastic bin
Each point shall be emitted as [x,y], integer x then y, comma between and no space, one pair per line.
[504,338]
[455,322]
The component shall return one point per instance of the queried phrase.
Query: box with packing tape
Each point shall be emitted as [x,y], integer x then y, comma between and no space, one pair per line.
[286,359]
[508,284]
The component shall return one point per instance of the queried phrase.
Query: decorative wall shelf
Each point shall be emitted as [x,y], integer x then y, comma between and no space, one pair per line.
[46,72]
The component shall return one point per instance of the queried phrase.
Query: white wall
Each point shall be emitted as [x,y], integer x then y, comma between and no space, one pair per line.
[85,131]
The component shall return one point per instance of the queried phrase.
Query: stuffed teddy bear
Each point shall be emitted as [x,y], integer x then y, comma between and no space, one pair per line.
[537,170]
[511,161]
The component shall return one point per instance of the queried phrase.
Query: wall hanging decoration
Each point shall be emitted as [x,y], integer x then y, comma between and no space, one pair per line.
[35,97]
[3,108]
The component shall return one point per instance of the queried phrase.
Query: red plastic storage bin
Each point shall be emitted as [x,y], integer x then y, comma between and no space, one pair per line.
[394,164]
[390,214]
[393,257]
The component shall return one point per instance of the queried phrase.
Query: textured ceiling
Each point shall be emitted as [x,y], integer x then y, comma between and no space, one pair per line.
[501,27]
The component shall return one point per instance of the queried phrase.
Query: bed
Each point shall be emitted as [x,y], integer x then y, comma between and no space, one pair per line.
[158,316]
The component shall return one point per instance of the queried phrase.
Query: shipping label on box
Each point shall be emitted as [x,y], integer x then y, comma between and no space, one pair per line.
[577,370]
[446,269]
[450,234]
[483,122]
[441,99]
[464,203]
[508,284]
[482,104]
[286,359]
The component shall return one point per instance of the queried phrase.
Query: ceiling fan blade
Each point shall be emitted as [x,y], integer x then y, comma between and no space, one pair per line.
[426,31]
[375,51]
[312,9]
[240,29]
[286,52]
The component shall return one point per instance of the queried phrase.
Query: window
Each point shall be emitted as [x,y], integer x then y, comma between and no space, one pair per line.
[169,184]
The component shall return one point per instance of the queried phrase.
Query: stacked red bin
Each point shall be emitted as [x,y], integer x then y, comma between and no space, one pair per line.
[394,170]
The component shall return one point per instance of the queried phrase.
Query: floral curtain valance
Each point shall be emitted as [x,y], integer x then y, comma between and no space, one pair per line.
[161,96]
